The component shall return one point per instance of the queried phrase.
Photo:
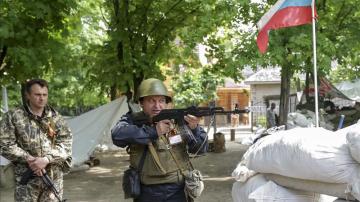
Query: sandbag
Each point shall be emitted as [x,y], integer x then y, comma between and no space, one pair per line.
[297,119]
[353,141]
[241,173]
[241,190]
[271,192]
[332,189]
[305,153]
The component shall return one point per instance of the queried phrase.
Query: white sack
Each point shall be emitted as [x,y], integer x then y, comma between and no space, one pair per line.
[306,153]
[297,119]
[248,140]
[241,190]
[271,192]
[242,173]
[353,141]
[332,189]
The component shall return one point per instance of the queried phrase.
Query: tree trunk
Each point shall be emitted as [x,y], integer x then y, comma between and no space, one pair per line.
[2,56]
[137,82]
[307,86]
[113,92]
[3,53]
[298,85]
[284,95]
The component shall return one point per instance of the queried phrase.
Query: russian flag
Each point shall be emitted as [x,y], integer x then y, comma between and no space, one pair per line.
[285,13]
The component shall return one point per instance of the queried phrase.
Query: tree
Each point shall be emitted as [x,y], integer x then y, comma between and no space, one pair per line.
[30,37]
[195,86]
[143,36]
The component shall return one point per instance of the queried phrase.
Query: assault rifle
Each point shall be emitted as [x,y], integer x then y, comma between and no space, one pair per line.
[178,115]
[29,174]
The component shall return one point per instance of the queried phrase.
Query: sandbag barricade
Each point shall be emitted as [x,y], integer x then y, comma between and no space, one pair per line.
[312,154]
[333,189]
[258,189]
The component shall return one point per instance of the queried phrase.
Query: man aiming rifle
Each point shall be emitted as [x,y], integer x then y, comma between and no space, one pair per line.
[156,152]
[177,115]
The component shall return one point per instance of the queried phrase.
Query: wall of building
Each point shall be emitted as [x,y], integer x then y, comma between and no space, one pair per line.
[257,102]
[258,105]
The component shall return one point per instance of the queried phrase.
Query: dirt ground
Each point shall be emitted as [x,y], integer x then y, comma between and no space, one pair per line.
[103,183]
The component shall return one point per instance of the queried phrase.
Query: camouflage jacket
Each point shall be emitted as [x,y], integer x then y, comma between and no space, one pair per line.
[23,134]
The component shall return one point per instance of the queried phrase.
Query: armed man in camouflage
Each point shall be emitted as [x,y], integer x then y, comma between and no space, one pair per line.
[36,137]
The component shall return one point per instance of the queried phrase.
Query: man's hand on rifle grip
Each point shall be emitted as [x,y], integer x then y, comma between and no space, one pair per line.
[192,121]
[37,164]
[163,127]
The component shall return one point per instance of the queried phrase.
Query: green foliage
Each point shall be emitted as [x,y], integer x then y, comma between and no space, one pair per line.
[71,93]
[14,97]
[90,48]
[30,37]
[142,34]
[345,73]
[195,86]
[261,121]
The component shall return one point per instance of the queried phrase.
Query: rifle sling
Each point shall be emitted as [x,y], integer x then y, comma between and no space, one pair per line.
[141,163]
[155,157]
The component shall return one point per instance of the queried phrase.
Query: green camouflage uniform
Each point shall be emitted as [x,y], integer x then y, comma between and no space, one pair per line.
[23,134]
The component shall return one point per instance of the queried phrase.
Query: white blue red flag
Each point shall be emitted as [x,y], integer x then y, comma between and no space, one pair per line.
[285,13]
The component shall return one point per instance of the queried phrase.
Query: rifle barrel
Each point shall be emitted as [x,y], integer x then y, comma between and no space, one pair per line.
[46,179]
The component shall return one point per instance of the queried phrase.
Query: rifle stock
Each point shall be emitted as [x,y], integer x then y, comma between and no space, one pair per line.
[29,174]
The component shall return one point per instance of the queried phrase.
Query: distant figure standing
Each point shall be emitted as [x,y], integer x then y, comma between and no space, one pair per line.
[236,108]
[271,116]
[235,117]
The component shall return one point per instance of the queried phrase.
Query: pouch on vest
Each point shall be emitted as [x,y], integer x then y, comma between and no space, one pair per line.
[131,183]
[194,184]
[131,179]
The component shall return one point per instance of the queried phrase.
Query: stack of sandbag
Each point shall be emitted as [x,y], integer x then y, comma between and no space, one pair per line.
[306,118]
[260,189]
[309,159]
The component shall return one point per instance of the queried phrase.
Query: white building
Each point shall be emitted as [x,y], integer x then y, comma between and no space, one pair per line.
[265,87]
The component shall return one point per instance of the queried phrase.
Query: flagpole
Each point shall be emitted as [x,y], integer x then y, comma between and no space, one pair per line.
[315,68]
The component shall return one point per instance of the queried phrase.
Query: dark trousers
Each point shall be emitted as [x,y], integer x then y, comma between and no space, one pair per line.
[162,193]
